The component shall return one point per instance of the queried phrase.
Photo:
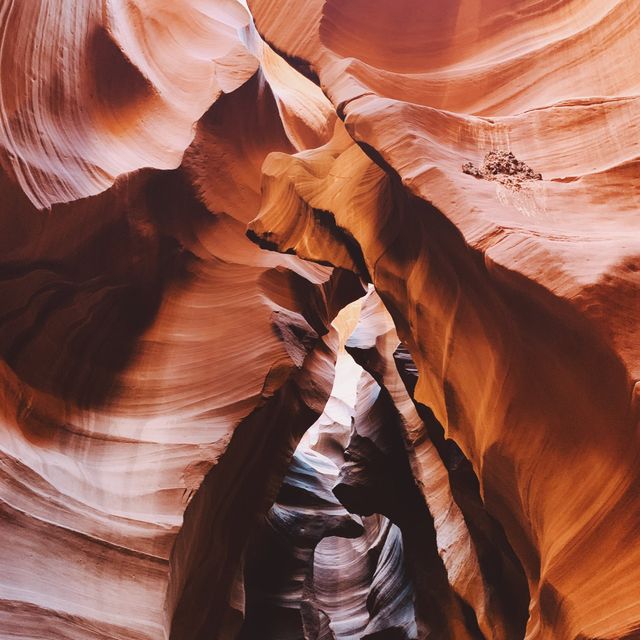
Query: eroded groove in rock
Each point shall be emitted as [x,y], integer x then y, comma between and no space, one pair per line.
[314,570]
[499,565]
[479,562]
[282,598]
[376,477]
[500,300]
[140,329]
[477,162]
[211,543]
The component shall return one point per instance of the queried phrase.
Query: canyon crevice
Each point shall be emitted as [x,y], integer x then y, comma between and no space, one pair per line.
[319,320]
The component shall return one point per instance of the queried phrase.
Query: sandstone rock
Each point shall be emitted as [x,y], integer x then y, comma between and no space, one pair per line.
[159,368]
[519,307]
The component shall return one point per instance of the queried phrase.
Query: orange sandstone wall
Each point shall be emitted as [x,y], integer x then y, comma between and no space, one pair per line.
[191,191]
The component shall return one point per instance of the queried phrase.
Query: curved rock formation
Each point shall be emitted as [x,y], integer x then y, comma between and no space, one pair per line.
[313,570]
[480,567]
[87,87]
[119,396]
[476,163]
[136,386]
[519,304]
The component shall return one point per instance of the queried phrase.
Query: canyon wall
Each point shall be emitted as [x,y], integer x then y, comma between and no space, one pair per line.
[203,436]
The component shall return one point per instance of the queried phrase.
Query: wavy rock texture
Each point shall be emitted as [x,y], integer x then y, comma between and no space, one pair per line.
[314,570]
[87,87]
[519,306]
[124,384]
[150,355]
[484,576]
[476,162]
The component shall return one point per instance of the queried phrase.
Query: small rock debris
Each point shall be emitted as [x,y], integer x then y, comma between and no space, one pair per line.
[503,167]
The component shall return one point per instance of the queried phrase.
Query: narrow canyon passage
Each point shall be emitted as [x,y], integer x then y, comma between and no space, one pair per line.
[318,571]
[319,320]
[351,549]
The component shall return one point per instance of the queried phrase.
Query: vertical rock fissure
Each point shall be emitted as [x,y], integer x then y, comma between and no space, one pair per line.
[358,543]
[497,559]
[319,567]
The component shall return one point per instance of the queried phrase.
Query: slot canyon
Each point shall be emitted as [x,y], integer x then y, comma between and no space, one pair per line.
[320,320]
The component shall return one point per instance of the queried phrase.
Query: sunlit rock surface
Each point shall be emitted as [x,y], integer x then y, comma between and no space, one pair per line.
[190,193]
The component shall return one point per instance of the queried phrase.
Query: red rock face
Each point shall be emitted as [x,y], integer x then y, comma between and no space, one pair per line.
[191,193]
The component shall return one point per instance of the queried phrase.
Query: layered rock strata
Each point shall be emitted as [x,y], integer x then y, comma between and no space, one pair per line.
[150,350]
[476,162]
[518,306]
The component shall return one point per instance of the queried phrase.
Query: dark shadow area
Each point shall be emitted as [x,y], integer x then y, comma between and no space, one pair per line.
[377,477]
[82,285]
[498,562]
